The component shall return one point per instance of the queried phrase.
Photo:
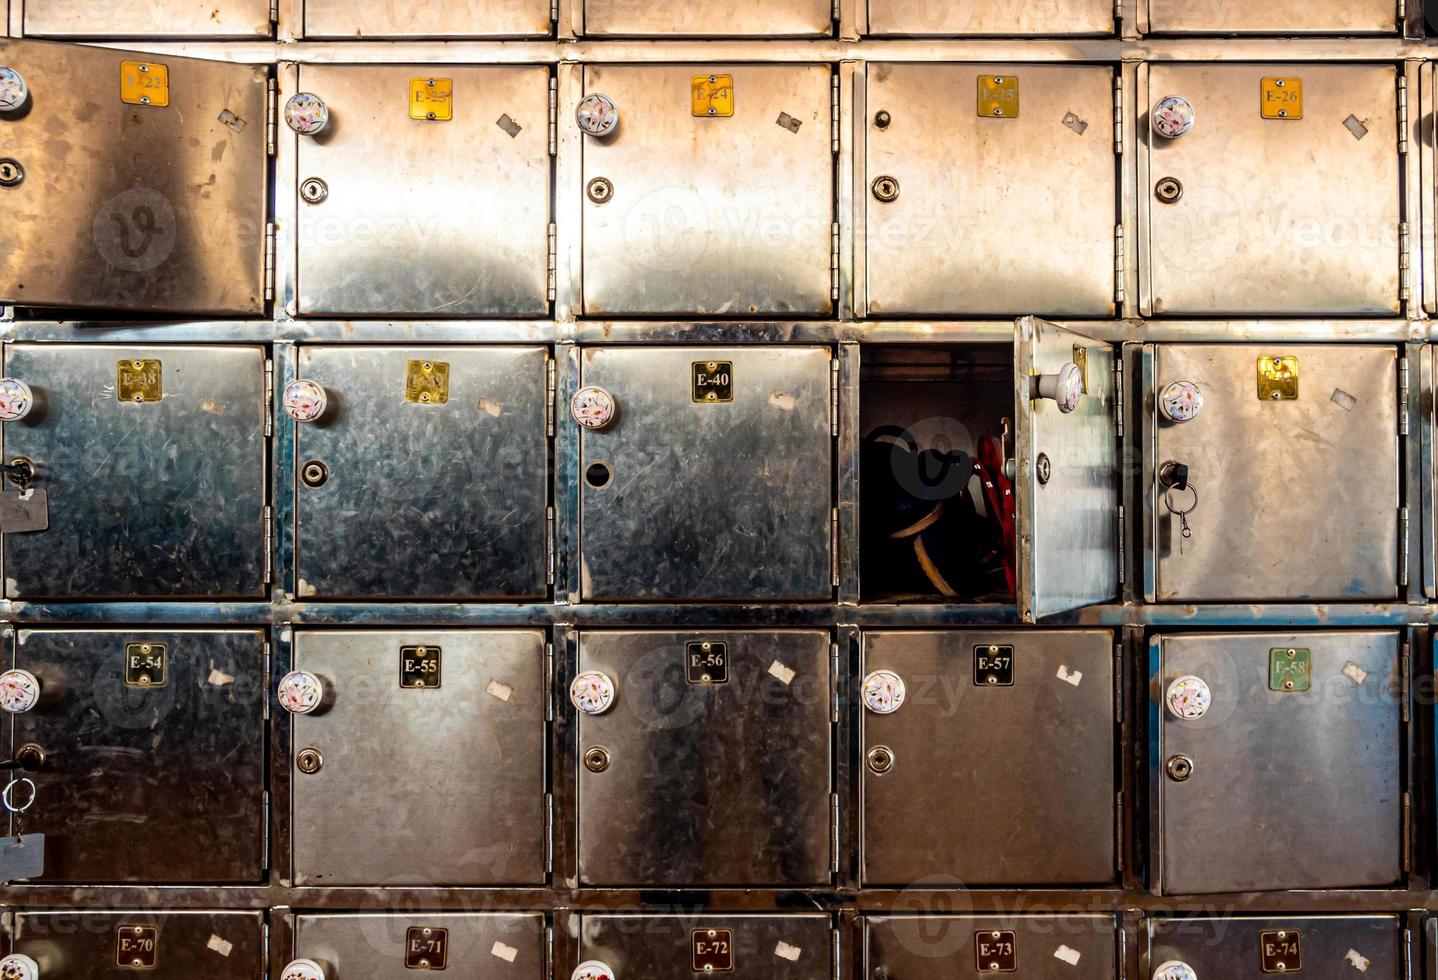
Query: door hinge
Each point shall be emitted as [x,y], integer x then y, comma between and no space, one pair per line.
[265,838]
[1119,249]
[549,832]
[1122,538]
[834,547]
[267,536]
[834,111]
[1123,954]
[1118,96]
[269,260]
[269,398]
[1407,832]
[554,11]
[266,700]
[834,683]
[549,944]
[1118,833]
[1403,668]
[549,545]
[1118,683]
[836,10]
[834,836]
[551,384]
[1407,952]
[272,100]
[549,682]
[1403,396]
[834,397]
[834,261]
[1402,115]
[553,262]
[1405,264]
[554,103]
[1402,545]
[1118,394]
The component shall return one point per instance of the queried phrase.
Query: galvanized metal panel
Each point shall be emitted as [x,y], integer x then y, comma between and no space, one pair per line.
[83,944]
[456,766]
[345,19]
[1298,499]
[426,500]
[993,215]
[996,757]
[161,498]
[431,218]
[1045,947]
[134,207]
[1273,17]
[157,784]
[726,216]
[708,500]
[707,18]
[1329,946]
[994,17]
[795,946]
[716,784]
[1289,790]
[148,19]
[1295,215]
[374,945]
[1068,547]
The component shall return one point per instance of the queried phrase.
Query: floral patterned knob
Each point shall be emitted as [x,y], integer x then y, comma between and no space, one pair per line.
[19,691]
[301,692]
[18,966]
[597,114]
[884,692]
[16,399]
[593,692]
[1172,116]
[13,90]
[1181,401]
[592,407]
[592,970]
[1174,970]
[305,401]
[1189,698]
[302,970]
[306,113]
[1065,387]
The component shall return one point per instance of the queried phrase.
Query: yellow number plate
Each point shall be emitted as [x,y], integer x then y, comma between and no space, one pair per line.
[712,95]
[999,96]
[426,382]
[1277,379]
[1282,98]
[431,99]
[144,83]
[140,380]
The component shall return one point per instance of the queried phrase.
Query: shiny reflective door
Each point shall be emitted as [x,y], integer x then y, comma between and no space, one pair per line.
[707,18]
[349,19]
[1235,948]
[242,19]
[91,944]
[1024,947]
[996,17]
[400,946]
[676,947]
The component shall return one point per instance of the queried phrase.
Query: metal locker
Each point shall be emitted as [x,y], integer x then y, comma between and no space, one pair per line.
[675,786]
[146,749]
[426,474]
[988,728]
[1273,17]
[991,17]
[705,472]
[92,944]
[424,190]
[349,19]
[1025,947]
[1241,948]
[1278,761]
[708,18]
[133,182]
[396,946]
[1275,472]
[1269,189]
[795,946]
[448,727]
[1007,208]
[708,189]
[240,19]
[151,461]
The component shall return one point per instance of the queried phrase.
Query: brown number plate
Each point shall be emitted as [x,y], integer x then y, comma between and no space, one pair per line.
[996,952]
[419,667]
[136,947]
[713,950]
[1281,952]
[145,664]
[426,948]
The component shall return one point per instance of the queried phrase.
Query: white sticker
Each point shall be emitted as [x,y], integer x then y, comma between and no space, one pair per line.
[1070,677]
[506,953]
[219,945]
[786,952]
[501,691]
[1354,673]
[785,675]
[1069,956]
[1343,399]
[219,678]
[1356,959]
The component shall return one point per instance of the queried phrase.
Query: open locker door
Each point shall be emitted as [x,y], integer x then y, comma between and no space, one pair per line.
[1065,476]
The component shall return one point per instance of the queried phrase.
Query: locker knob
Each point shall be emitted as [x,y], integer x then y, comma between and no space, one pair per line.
[592,407]
[1189,698]
[593,692]
[307,114]
[14,93]
[597,115]
[884,692]
[301,692]
[1065,387]
[19,691]
[1174,970]
[303,970]
[1172,116]
[18,966]
[1181,401]
[16,399]
[305,401]
[592,970]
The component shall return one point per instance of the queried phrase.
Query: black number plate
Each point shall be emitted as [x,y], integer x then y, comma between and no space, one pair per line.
[1281,952]
[426,948]
[993,666]
[996,952]
[706,662]
[145,664]
[713,950]
[419,666]
[713,381]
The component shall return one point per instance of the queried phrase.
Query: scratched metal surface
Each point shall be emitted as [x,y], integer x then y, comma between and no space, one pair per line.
[660,947]
[1329,946]
[83,944]
[374,945]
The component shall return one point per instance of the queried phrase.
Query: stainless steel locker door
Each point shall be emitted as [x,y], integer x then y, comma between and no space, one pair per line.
[153,744]
[1297,497]
[459,762]
[445,217]
[1247,214]
[392,946]
[129,206]
[691,499]
[668,947]
[153,459]
[349,19]
[1274,789]
[995,17]
[729,215]
[400,495]
[1025,947]
[995,726]
[708,18]
[990,214]
[1250,949]
[241,19]
[89,944]
[1273,17]
[686,782]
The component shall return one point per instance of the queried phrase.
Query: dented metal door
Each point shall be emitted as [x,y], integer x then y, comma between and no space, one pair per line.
[1025,947]
[1298,734]
[676,947]
[676,787]
[708,18]
[1281,461]
[396,946]
[454,505]
[148,748]
[988,728]
[714,194]
[240,19]
[1239,948]
[1275,192]
[1285,17]
[90,944]
[427,191]
[718,460]
[991,17]
[449,727]
[349,19]
[152,172]
[990,189]
[152,460]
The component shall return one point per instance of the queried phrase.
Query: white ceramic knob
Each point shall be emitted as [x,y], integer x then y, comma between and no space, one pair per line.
[18,966]
[19,691]
[1065,388]
[592,970]
[306,113]
[884,692]
[1189,698]
[305,401]
[1180,401]
[597,115]
[592,407]
[302,970]
[301,692]
[593,692]
[1172,116]
[14,92]
[1174,970]
[16,399]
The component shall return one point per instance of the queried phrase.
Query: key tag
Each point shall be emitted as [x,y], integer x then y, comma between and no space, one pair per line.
[22,511]
[22,857]
[1185,531]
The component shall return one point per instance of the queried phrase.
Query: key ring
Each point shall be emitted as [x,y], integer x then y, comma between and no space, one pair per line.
[8,796]
[1168,501]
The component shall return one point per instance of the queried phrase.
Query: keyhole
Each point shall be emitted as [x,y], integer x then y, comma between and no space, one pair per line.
[598,475]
